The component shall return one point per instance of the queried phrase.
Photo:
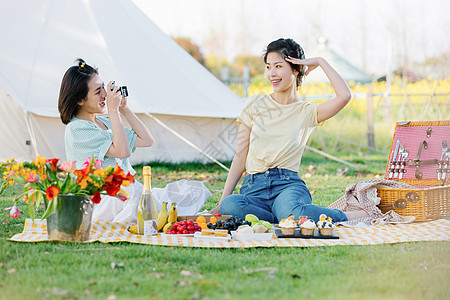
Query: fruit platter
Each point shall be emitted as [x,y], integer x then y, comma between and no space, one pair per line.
[250,228]
[185,228]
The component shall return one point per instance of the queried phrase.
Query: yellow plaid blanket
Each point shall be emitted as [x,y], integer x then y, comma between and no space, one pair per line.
[438,230]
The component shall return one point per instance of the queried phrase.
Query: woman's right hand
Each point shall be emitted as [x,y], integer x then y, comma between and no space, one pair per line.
[215,210]
[113,97]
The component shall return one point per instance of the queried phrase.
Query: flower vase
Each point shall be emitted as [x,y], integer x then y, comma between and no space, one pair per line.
[71,220]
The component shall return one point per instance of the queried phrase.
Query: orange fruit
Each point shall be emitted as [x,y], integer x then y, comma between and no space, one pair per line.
[213,220]
[203,225]
[201,220]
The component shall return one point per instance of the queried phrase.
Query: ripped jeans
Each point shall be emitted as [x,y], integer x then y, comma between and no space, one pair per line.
[274,195]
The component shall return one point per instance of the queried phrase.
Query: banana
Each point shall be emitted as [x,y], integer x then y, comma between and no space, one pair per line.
[173,214]
[168,226]
[162,216]
[133,229]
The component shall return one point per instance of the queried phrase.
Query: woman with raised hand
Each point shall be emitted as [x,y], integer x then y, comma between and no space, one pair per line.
[83,104]
[273,132]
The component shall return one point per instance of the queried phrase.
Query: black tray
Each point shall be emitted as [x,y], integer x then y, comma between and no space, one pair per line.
[299,235]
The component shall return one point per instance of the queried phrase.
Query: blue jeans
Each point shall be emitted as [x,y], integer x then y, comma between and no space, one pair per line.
[273,195]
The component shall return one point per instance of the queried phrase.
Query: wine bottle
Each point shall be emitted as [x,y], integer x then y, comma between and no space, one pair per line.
[147,212]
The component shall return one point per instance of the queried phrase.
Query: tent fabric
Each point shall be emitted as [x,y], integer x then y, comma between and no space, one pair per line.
[14,133]
[347,70]
[42,39]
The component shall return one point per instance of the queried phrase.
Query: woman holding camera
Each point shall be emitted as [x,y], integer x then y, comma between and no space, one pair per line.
[273,131]
[83,100]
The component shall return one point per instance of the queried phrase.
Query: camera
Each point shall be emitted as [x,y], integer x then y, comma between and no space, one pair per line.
[123,89]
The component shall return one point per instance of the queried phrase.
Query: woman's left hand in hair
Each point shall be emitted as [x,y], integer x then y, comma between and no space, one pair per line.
[311,63]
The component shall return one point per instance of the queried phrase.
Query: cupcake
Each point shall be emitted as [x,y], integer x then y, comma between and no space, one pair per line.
[287,225]
[325,225]
[307,226]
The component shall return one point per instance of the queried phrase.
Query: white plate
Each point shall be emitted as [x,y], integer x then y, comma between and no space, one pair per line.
[252,236]
[211,237]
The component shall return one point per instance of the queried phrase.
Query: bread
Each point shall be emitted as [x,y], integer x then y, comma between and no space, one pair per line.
[207,231]
[221,232]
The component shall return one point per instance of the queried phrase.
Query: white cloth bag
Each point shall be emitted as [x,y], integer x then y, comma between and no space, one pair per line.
[190,196]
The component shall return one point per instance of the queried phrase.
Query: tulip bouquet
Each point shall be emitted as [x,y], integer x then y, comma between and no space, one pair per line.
[44,179]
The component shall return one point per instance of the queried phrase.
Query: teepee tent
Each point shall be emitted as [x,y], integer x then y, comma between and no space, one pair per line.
[347,70]
[42,39]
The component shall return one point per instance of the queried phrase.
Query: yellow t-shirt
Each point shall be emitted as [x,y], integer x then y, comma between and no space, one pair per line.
[278,132]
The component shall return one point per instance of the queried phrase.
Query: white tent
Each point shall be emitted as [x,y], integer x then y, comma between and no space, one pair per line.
[347,70]
[40,40]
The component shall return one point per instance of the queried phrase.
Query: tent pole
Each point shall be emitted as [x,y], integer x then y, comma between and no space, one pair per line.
[220,164]
[31,132]
[44,141]
[186,141]
[331,157]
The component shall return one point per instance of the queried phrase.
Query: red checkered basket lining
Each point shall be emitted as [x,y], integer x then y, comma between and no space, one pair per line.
[411,137]
[433,194]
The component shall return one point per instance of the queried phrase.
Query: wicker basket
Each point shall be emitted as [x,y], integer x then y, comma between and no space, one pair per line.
[431,200]
[424,204]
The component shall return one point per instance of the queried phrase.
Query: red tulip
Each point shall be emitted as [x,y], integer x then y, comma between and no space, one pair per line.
[52,192]
[96,198]
[53,164]
[14,212]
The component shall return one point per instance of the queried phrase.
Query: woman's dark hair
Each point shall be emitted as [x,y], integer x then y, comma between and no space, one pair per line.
[288,47]
[74,88]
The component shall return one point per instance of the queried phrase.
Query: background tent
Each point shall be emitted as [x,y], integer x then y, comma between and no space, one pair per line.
[348,71]
[41,39]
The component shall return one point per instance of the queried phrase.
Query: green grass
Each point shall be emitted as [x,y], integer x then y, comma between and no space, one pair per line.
[54,270]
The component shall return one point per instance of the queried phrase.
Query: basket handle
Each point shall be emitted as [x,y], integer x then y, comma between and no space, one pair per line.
[423,144]
[401,203]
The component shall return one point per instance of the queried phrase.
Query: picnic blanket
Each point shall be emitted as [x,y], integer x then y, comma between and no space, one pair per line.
[438,230]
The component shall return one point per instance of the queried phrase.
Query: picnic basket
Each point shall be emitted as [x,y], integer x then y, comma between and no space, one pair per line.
[419,156]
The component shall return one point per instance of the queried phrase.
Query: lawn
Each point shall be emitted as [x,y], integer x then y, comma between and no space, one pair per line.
[54,270]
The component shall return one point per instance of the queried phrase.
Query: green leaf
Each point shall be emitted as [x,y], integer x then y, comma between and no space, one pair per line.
[41,186]
[4,185]
[31,209]
[51,208]
[39,198]
[65,188]
[52,175]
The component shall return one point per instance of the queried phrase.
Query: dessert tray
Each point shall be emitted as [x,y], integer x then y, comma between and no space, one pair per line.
[298,234]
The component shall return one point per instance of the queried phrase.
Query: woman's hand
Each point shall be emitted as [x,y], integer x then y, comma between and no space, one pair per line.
[215,210]
[113,98]
[328,109]
[311,63]
[123,105]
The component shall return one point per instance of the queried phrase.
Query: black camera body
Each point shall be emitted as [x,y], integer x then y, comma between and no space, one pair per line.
[123,89]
